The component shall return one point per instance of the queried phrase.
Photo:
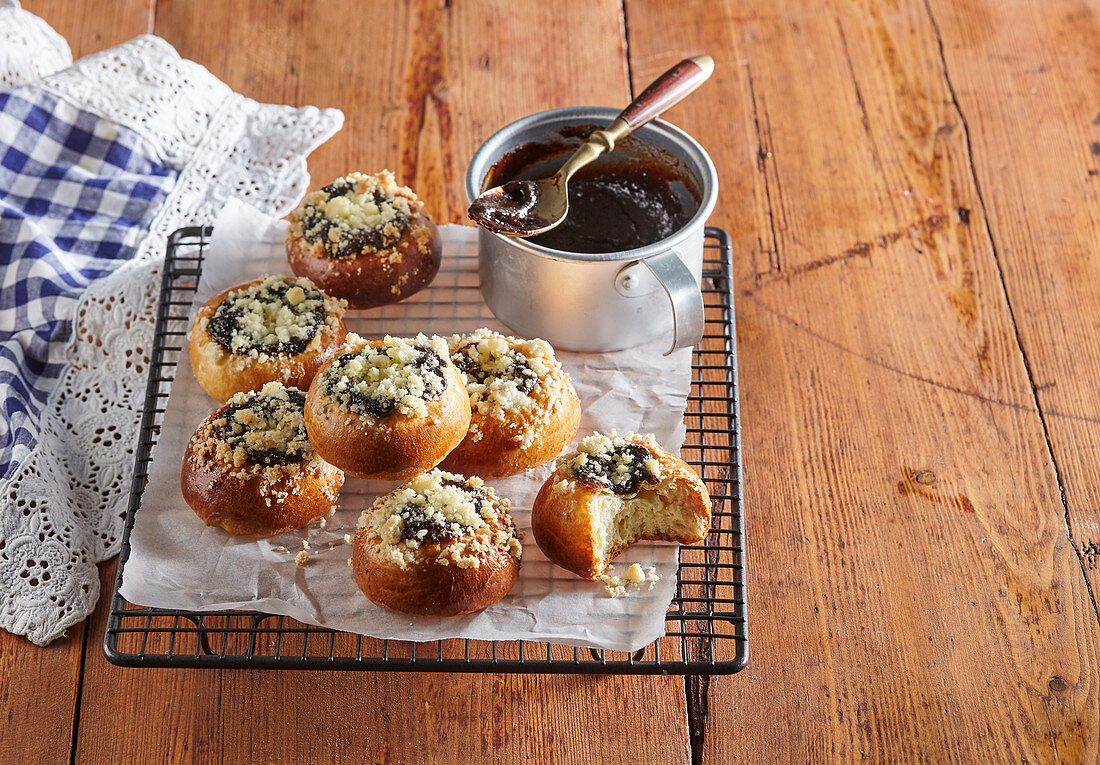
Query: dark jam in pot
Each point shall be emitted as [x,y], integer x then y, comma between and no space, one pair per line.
[615,210]
[635,196]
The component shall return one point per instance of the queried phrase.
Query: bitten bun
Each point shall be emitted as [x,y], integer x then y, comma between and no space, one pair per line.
[441,545]
[388,409]
[614,491]
[275,328]
[250,469]
[365,239]
[525,409]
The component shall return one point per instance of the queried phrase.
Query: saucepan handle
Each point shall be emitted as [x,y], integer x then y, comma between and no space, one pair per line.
[685,296]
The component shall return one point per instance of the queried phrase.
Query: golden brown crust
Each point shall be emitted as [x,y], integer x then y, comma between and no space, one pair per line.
[426,588]
[252,501]
[526,438]
[375,278]
[392,448]
[440,545]
[561,523]
[222,373]
[566,514]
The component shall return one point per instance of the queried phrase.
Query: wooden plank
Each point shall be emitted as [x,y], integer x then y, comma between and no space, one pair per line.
[38,692]
[1034,128]
[424,84]
[274,716]
[92,26]
[421,85]
[914,595]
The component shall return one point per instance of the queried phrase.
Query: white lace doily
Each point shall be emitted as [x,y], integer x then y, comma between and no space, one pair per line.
[29,47]
[62,510]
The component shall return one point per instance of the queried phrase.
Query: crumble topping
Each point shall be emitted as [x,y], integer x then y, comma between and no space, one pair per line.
[615,462]
[262,433]
[501,372]
[461,516]
[356,215]
[276,316]
[401,375]
[265,427]
[617,586]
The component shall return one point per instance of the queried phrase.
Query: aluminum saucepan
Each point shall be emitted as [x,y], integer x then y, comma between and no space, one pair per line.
[597,301]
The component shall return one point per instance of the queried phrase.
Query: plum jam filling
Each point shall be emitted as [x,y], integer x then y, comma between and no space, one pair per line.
[622,469]
[425,524]
[275,317]
[379,381]
[357,214]
[268,425]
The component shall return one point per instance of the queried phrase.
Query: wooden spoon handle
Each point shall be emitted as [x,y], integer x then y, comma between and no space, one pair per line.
[667,90]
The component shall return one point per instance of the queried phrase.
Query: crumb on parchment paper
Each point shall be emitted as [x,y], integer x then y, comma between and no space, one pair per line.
[617,586]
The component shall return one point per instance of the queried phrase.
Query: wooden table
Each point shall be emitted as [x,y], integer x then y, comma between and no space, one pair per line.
[911,186]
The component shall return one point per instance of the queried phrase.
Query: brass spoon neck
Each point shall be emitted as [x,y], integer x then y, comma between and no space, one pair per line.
[598,142]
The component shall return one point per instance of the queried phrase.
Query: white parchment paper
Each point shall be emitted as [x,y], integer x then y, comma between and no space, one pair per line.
[178,562]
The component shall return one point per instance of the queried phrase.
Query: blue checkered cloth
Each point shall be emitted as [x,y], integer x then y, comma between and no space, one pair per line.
[77,194]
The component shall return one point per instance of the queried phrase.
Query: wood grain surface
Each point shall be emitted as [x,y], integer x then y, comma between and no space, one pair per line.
[914,594]
[90,26]
[1034,116]
[39,685]
[911,189]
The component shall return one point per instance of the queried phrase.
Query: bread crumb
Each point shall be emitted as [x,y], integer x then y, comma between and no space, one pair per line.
[617,586]
[348,539]
[302,558]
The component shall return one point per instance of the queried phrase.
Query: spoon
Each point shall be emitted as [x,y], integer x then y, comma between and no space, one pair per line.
[527,208]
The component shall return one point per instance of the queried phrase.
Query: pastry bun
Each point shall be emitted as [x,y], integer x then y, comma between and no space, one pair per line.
[387,409]
[275,328]
[365,239]
[614,491]
[525,409]
[250,469]
[441,545]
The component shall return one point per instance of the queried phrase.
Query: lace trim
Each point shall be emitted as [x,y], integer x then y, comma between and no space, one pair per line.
[29,48]
[62,510]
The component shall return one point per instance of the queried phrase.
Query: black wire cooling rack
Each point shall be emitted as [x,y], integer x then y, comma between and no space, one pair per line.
[705,624]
